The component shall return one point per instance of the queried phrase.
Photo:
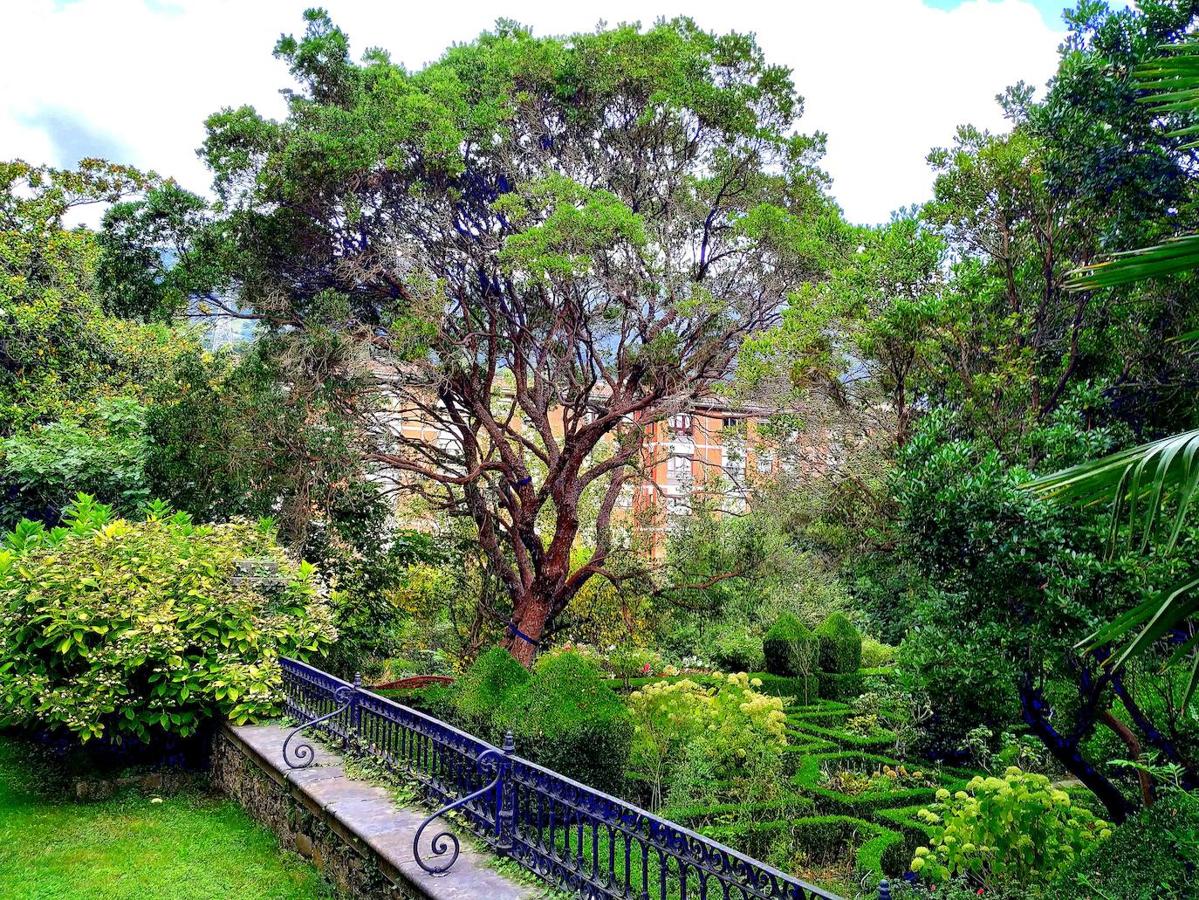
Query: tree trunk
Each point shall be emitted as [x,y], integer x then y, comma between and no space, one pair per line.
[1036,712]
[1134,749]
[528,623]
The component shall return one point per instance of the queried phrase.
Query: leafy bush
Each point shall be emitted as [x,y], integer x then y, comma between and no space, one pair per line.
[1156,855]
[482,692]
[738,650]
[840,645]
[967,681]
[1017,830]
[790,647]
[102,453]
[877,655]
[627,662]
[568,718]
[115,628]
[725,731]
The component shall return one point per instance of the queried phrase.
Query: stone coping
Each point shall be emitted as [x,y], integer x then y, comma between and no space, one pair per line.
[369,820]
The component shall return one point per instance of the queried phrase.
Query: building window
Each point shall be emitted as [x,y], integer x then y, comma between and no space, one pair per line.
[681,424]
[730,422]
[678,467]
[732,459]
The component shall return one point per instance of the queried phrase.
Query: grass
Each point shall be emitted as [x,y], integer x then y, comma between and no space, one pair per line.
[190,846]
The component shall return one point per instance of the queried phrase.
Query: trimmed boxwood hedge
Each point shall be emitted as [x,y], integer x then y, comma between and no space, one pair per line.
[802,730]
[839,686]
[807,780]
[906,820]
[881,851]
[840,645]
[790,648]
[698,816]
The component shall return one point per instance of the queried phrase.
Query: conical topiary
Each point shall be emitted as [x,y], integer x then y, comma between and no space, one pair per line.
[790,647]
[840,645]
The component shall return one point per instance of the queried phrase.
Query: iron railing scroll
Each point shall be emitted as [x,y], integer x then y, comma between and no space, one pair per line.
[580,839]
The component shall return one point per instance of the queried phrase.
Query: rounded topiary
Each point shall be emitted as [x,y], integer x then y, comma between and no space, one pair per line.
[840,645]
[570,720]
[790,647]
[485,688]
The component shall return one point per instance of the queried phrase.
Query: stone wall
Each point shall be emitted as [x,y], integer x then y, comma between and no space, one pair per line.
[341,857]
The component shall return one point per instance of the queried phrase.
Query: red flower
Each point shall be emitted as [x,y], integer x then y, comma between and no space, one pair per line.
[645,670]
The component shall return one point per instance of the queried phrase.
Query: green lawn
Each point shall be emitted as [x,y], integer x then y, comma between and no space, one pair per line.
[191,845]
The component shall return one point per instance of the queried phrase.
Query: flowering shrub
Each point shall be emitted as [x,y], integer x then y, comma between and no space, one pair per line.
[1015,830]
[110,627]
[731,728]
[631,662]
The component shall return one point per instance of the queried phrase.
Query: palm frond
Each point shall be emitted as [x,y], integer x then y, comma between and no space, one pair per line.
[1141,627]
[1171,83]
[1179,254]
[1140,483]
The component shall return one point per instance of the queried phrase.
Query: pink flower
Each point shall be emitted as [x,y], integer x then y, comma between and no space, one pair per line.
[645,670]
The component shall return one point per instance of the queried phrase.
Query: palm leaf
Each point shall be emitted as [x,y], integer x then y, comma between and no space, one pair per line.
[1179,254]
[1140,483]
[1144,486]
[1171,85]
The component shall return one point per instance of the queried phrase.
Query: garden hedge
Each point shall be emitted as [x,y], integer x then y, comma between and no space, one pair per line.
[807,780]
[787,807]
[790,648]
[879,852]
[840,645]
[568,718]
[801,730]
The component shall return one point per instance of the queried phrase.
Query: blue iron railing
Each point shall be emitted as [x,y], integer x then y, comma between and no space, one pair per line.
[575,837]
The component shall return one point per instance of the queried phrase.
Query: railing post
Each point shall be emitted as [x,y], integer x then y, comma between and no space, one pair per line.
[884,890]
[355,712]
[505,797]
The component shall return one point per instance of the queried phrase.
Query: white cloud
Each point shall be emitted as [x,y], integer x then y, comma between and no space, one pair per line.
[886,79]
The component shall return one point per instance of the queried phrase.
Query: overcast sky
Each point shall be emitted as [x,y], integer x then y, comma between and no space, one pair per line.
[132,80]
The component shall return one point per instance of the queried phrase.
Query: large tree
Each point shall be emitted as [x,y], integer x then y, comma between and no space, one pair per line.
[535,246]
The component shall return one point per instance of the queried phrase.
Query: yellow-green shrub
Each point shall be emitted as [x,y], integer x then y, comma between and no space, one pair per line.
[110,627]
[729,727]
[1016,830]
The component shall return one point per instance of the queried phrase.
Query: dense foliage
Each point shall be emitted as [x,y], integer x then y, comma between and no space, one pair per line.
[115,628]
[570,720]
[1014,830]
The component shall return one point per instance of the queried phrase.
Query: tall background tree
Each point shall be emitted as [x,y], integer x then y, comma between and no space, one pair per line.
[535,246]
